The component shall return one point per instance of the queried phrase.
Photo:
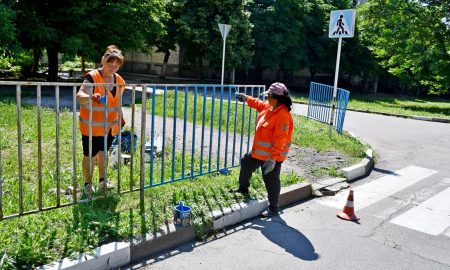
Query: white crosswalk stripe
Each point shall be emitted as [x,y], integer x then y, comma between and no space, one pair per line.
[432,216]
[379,189]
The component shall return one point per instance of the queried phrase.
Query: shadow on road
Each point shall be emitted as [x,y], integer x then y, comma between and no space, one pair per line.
[288,238]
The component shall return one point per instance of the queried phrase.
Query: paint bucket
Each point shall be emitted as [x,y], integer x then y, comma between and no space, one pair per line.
[182,215]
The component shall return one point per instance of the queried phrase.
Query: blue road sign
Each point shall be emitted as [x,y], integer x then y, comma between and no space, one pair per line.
[342,23]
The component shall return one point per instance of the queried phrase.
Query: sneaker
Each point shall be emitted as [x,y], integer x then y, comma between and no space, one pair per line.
[85,193]
[239,190]
[269,213]
[105,185]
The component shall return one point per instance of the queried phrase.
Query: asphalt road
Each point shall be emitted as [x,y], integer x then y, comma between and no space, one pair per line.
[403,208]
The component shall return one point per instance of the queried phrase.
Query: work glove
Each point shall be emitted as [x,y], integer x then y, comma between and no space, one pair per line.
[241,97]
[268,166]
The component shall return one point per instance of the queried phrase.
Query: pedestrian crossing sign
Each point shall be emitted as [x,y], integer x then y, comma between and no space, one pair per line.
[342,23]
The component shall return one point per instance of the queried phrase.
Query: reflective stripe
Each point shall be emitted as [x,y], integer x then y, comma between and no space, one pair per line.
[100,108]
[261,153]
[264,144]
[99,124]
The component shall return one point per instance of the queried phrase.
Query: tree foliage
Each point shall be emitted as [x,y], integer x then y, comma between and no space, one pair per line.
[411,39]
[199,35]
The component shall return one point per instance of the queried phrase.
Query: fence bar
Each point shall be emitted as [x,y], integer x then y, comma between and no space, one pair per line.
[193,131]
[19,146]
[234,128]
[58,164]
[227,125]
[203,128]
[211,131]
[174,130]
[105,136]
[242,126]
[249,124]
[164,134]
[152,134]
[220,128]
[133,107]
[186,93]
[142,163]
[119,143]
[39,137]
[91,168]
[74,144]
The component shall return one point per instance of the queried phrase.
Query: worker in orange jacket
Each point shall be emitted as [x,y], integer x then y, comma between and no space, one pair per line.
[273,137]
[100,99]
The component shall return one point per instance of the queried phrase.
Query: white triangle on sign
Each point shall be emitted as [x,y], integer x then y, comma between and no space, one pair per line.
[341,26]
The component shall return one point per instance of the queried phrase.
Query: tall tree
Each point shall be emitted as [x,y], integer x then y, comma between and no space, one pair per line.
[7,27]
[280,32]
[198,32]
[411,39]
[84,27]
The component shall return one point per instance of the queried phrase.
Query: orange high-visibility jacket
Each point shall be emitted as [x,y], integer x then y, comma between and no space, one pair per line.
[274,128]
[98,109]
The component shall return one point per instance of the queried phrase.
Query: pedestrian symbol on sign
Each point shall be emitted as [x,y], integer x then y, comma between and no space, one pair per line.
[342,23]
[340,26]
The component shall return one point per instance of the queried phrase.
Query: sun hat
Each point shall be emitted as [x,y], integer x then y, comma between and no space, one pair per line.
[277,89]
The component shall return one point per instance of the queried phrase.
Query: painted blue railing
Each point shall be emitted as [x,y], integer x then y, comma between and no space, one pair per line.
[320,102]
[213,140]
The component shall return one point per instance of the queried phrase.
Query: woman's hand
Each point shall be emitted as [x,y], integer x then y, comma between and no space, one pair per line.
[268,166]
[241,97]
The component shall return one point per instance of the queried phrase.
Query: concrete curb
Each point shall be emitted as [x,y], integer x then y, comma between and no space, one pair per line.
[361,169]
[116,254]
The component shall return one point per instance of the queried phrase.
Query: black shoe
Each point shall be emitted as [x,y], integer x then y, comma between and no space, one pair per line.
[269,213]
[243,192]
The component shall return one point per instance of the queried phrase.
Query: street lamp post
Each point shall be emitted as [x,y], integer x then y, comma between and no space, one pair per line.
[224,29]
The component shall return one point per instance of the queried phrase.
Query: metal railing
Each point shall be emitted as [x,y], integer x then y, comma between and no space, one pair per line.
[320,101]
[185,131]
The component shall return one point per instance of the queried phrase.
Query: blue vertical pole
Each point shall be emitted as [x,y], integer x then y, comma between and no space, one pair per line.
[211,127]
[203,128]
[220,128]
[186,93]
[249,124]
[164,134]
[193,131]
[227,125]
[174,131]
[234,129]
[242,127]
[152,134]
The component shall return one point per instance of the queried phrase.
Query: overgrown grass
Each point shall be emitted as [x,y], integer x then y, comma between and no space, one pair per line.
[37,239]
[401,105]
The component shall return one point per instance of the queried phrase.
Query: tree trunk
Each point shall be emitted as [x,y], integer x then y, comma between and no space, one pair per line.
[200,67]
[83,65]
[52,64]
[164,66]
[37,53]
[313,72]
[375,85]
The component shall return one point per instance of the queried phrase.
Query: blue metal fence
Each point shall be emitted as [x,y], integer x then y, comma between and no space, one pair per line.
[320,102]
[184,131]
[210,130]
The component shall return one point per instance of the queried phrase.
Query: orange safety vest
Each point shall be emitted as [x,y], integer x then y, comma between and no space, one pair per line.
[274,128]
[98,109]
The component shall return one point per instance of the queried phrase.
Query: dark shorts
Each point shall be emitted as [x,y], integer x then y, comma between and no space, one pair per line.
[97,144]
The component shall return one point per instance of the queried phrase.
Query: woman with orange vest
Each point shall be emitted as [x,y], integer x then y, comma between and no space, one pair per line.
[94,106]
[273,136]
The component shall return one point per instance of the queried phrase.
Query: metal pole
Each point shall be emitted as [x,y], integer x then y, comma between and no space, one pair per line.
[336,75]
[223,59]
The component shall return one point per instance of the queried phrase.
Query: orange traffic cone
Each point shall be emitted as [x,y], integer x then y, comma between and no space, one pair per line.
[348,213]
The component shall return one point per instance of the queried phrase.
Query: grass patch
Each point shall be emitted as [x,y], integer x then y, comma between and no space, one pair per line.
[401,105]
[37,239]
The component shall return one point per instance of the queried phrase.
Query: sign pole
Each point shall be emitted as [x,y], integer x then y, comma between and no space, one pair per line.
[223,60]
[336,76]
[224,29]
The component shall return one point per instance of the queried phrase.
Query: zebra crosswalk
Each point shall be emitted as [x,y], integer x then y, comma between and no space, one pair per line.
[432,216]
